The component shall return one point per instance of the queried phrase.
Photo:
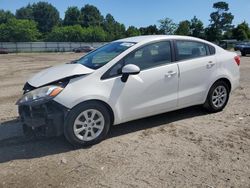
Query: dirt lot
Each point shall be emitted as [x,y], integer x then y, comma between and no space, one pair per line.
[186,148]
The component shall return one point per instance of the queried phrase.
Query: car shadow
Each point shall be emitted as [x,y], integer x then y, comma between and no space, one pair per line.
[13,145]
[157,120]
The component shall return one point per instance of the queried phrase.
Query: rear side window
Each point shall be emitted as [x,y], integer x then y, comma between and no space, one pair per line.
[211,50]
[190,49]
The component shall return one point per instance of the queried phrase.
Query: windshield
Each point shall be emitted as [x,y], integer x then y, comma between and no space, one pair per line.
[104,54]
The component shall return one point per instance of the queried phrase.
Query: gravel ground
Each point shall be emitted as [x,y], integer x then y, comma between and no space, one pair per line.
[185,148]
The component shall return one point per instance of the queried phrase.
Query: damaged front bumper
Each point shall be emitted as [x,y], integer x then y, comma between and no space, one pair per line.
[47,118]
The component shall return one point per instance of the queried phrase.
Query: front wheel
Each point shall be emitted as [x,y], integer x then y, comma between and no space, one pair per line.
[87,124]
[218,96]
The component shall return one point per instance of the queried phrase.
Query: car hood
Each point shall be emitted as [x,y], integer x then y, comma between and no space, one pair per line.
[57,73]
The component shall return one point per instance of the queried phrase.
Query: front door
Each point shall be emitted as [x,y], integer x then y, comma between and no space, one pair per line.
[154,89]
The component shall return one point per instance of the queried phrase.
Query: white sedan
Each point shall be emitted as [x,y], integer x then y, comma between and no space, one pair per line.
[125,80]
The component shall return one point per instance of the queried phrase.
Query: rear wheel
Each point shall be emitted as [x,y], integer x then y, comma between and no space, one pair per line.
[87,124]
[218,96]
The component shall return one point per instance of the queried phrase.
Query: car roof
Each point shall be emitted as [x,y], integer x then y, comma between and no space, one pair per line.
[243,43]
[148,38]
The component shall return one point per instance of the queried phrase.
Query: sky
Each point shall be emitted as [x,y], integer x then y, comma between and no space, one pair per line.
[141,13]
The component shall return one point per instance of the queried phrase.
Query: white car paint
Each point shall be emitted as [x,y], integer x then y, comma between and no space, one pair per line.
[196,75]
[152,91]
[58,72]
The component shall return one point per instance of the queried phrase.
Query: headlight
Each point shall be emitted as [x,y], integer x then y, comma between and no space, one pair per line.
[44,93]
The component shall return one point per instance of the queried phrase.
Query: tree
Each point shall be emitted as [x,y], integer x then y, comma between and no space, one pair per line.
[77,34]
[46,15]
[150,30]
[197,28]
[167,26]
[67,34]
[241,32]
[25,13]
[5,16]
[95,34]
[114,29]
[109,25]
[19,31]
[183,28]
[72,16]
[91,16]
[120,31]
[220,22]
[132,31]
[228,34]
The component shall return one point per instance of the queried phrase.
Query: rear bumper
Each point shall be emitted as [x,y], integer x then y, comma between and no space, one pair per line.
[47,118]
[235,83]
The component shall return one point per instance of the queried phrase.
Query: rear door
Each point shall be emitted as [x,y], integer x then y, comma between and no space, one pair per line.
[197,65]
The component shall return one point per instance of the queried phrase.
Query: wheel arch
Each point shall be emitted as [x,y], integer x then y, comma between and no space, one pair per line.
[224,79]
[110,110]
[208,103]
[227,81]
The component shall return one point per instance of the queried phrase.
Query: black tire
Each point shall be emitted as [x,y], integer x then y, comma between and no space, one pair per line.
[73,114]
[209,105]
[243,53]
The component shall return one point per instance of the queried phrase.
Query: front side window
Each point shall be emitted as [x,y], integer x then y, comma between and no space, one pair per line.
[190,49]
[149,56]
[103,55]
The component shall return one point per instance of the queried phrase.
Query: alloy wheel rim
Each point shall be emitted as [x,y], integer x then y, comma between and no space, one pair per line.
[219,96]
[88,125]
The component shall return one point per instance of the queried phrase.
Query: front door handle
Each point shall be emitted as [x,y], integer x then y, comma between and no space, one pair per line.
[170,74]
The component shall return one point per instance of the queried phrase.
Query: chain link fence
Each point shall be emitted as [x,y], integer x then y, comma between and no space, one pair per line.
[15,47]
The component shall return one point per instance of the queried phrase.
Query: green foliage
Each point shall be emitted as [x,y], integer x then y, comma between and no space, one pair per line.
[66,34]
[150,30]
[197,28]
[120,31]
[46,15]
[109,25]
[183,28]
[132,31]
[167,26]
[220,22]
[95,34]
[91,16]
[241,32]
[114,29]
[25,13]
[76,34]
[221,6]
[72,16]
[19,31]
[194,28]
[88,24]
[5,16]
[228,34]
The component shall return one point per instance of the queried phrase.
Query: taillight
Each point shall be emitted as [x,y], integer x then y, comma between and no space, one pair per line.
[237,60]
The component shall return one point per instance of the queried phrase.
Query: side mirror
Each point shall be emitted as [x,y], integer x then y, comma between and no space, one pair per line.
[129,69]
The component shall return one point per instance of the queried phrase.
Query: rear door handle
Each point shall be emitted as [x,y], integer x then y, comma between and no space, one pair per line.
[170,74]
[210,64]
